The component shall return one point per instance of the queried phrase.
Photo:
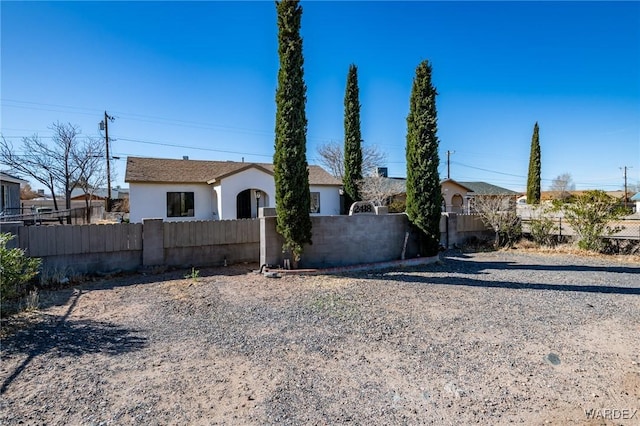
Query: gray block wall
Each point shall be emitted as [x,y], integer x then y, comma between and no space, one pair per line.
[343,240]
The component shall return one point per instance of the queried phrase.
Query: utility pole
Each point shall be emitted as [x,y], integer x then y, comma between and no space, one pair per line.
[449,163]
[104,125]
[625,183]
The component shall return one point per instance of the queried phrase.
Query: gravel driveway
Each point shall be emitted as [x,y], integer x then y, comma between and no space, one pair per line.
[489,338]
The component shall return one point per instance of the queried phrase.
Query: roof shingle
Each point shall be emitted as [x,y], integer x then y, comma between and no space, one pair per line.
[164,170]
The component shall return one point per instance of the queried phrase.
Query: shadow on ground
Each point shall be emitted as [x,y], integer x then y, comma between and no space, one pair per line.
[68,338]
[460,263]
[60,295]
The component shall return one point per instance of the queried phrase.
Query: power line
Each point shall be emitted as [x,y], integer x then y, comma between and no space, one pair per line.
[50,105]
[151,119]
[134,117]
[164,144]
[192,147]
[487,170]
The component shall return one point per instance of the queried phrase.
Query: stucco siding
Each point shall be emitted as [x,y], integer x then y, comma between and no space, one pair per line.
[148,200]
[329,199]
[218,201]
[235,184]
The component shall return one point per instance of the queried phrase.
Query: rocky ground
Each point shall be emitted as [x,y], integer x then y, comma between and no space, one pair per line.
[486,338]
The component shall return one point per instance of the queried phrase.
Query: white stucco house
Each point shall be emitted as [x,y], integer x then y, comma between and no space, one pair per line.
[182,190]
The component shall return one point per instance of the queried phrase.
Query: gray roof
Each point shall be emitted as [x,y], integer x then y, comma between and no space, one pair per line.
[6,177]
[484,188]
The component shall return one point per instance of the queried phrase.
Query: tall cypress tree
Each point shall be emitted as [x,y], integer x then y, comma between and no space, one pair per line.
[352,138]
[533,179]
[424,197]
[291,172]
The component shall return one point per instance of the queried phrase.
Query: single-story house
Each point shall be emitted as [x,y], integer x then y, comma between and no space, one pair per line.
[458,196]
[10,193]
[179,190]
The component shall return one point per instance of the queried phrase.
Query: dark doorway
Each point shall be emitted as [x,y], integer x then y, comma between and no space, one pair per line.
[243,204]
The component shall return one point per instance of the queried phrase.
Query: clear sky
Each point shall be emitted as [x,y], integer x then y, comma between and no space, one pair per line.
[199,79]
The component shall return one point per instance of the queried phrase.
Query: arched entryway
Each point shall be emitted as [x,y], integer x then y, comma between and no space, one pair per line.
[248,202]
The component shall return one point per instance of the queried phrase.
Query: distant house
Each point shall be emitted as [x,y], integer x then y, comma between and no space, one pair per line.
[117,193]
[458,196]
[10,194]
[182,190]
[636,199]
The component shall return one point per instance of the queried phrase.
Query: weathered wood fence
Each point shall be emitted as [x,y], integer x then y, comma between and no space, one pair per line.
[100,248]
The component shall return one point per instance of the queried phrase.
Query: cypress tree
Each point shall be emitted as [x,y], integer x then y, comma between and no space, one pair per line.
[533,179]
[352,138]
[291,172]
[424,197]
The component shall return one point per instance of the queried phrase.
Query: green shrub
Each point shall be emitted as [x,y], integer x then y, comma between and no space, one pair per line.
[542,227]
[16,269]
[592,216]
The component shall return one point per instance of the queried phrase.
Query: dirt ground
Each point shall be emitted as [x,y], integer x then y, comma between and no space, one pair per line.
[484,338]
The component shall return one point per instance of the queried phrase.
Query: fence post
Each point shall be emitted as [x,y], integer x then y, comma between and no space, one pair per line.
[560,229]
[152,242]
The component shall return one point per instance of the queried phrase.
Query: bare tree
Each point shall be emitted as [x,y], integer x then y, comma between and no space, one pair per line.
[378,189]
[562,185]
[57,164]
[92,173]
[331,156]
[499,212]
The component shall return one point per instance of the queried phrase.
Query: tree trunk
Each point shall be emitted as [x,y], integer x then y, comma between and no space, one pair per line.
[87,203]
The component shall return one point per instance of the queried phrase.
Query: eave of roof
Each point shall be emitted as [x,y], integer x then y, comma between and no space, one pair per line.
[168,171]
[240,170]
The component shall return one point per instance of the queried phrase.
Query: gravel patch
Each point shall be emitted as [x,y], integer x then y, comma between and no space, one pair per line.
[483,338]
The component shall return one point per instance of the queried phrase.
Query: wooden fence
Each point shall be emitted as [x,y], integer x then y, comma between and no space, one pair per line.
[209,233]
[42,241]
[121,246]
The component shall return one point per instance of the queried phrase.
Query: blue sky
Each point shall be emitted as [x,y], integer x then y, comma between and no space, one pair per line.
[199,79]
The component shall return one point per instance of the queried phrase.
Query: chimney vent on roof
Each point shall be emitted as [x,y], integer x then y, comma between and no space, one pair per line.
[185,157]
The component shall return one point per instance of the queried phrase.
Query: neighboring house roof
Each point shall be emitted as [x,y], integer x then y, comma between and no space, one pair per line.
[6,177]
[396,185]
[162,170]
[636,197]
[100,193]
[483,188]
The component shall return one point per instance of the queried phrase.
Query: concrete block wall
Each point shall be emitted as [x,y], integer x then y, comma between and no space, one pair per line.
[212,255]
[343,240]
[91,263]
